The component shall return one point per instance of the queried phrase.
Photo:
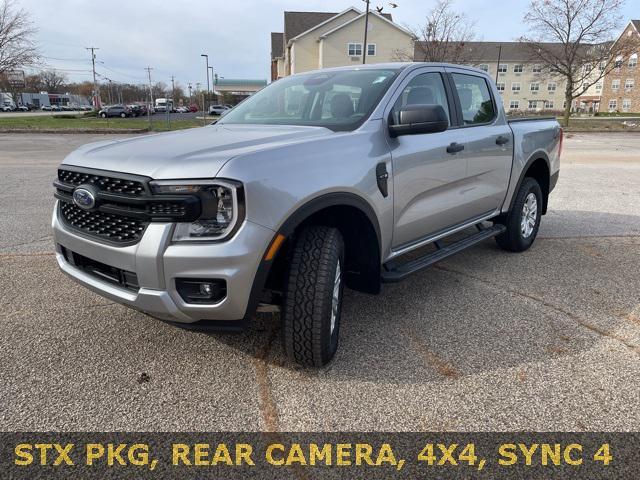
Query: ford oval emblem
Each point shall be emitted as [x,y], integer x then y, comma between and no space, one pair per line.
[84,198]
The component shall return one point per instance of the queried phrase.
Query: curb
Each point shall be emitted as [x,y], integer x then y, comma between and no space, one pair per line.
[74,130]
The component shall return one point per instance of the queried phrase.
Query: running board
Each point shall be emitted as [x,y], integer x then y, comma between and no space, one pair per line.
[403,270]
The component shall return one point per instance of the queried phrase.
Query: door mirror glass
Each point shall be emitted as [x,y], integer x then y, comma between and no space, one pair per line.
[418,119]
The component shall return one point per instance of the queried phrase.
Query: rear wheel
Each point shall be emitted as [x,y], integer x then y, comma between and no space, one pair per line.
[523,220]
[313,297]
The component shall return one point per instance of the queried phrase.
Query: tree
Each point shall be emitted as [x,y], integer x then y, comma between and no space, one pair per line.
[52,81]
[17,47]
[444,35]
[573,39]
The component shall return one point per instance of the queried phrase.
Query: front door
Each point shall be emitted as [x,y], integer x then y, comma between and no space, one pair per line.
[427,180]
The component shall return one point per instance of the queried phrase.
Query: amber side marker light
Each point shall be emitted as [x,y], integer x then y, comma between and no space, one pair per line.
[275,246]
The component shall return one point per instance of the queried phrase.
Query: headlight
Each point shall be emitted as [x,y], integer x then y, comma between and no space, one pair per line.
[222,207]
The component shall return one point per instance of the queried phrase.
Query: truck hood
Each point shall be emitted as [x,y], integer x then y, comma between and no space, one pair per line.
[193,153]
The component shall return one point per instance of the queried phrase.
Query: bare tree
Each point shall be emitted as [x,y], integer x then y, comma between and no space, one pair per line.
[17,48]
[51,80]
[443,36]
[573,38]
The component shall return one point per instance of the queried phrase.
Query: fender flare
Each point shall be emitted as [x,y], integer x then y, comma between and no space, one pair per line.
[540,154]
[294,220]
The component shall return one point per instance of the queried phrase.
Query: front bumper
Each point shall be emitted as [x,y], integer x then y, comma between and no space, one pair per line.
[157,262]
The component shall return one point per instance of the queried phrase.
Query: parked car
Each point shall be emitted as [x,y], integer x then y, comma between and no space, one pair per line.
[46,108]
[7,108]
[193,108]
[55,108]
[22,108]
[115,111]
[182,110]
[217,109]
[402,156]
[136,110]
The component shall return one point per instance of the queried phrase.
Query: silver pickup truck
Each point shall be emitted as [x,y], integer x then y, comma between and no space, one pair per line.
[318,181]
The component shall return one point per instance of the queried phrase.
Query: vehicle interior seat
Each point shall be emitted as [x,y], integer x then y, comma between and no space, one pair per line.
[341,106]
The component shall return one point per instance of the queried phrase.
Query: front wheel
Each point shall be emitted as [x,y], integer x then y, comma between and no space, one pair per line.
[523,220]
[103,115]
[313,297]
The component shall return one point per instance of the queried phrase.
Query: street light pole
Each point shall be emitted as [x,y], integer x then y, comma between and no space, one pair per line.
[213,83]
[207,58]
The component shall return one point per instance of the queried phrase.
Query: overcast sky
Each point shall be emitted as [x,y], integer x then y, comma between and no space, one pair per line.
[170,35]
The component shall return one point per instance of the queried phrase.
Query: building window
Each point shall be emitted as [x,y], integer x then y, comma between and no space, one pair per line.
[598,86]
[484,67]
[500,86]
[535,87]
[615,84]
[602,67]
[517,68]
[633,60]
[626,104]
[533,104]
[551,87]
[536,68]
[514,105]
[502,68]
[371,50]
[548,104]
[515,87]
[613,104]
[628,84]
[354,49]
[618,63]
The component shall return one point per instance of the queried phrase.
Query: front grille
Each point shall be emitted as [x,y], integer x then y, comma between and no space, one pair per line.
[121,186]
[106,226]
[123,207]
[102,271]
[171,209]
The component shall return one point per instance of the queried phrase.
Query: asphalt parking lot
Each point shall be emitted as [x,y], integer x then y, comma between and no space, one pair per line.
[545,340]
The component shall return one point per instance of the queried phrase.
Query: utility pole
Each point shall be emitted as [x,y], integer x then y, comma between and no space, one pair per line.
[366,30]
[173,88]
[96,93]
[148,69]
[189,93]
[498,67]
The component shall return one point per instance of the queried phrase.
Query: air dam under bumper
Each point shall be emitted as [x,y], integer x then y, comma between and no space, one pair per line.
[157,263]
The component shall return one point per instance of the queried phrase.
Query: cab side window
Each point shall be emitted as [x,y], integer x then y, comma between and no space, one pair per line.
[424,89]
[475,99]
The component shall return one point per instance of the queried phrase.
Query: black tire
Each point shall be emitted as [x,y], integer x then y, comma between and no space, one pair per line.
[103,115]
[307,308]
[514,239]
[123,115]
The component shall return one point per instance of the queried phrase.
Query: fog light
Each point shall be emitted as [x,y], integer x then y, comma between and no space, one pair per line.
[195,290]
[206,289]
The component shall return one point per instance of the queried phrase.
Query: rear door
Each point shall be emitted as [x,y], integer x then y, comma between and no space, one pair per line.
[487,139]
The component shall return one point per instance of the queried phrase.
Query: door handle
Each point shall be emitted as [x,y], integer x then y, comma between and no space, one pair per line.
[455,148]
[501,140]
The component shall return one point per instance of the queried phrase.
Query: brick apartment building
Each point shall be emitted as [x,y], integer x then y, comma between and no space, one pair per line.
[621,86]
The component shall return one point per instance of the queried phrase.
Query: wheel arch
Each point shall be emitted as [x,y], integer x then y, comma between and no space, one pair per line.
[358,223]
[537,167]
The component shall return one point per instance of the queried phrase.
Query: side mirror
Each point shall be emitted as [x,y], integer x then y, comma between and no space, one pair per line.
[417,119]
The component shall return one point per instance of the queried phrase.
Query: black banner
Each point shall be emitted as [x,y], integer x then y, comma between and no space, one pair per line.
[319,455]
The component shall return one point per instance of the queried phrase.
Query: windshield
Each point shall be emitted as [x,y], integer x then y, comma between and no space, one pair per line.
[339,100]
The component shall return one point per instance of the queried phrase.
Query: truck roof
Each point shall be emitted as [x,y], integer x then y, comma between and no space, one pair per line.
[394,66]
